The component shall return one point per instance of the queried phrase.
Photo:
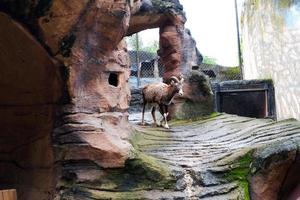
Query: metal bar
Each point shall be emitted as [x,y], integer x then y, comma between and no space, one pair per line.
[217,99]
[138,60]
[238,37]
[243,90]
[267,114]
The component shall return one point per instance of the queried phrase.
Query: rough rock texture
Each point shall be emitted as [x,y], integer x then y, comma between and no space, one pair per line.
[30,87]
[178,52]
[169,17]
[191,55]
[197,99]
[65,95]
[219,157]
[92,128]
[136,101]
[269,170]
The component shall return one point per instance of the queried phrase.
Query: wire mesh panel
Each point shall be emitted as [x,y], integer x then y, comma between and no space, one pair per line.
[218,73]
[148,70]
[145,64]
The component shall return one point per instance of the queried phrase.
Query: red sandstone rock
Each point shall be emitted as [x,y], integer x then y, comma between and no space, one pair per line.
[102,139]
[170,50]
[72,85]
[28,74]
[270,170]
[30,86]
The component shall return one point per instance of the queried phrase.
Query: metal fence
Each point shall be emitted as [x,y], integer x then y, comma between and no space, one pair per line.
[146,67]
[218,73]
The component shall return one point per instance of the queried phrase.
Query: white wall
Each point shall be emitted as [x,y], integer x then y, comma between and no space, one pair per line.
[271,50]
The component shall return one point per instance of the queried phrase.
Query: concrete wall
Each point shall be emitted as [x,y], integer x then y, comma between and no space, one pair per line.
[271,49]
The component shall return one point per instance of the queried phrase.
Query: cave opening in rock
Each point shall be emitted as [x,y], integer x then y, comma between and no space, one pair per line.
[113,79]
[31,90]
[145,64]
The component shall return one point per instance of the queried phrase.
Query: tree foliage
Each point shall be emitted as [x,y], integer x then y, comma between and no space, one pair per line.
[209,60]
[152,47]
[136,43]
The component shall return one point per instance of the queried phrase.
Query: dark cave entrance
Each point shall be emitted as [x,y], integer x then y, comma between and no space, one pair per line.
[113,79]
[31,89]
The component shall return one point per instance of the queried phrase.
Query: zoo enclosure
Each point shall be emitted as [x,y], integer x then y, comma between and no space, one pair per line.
[145,67]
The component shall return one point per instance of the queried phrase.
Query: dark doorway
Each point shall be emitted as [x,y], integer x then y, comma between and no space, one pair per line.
[249,104]
[249,98]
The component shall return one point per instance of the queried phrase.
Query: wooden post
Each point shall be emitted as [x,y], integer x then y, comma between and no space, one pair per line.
[8,194]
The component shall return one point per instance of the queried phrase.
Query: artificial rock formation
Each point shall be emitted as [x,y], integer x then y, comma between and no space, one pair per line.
[64,72]
[220,157]
[64,122]
[197,99]
[169,17]
[65,93]
[31,88]
[178,53]
[271,170]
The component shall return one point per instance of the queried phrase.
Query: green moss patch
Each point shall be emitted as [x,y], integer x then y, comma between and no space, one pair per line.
[202,119]
[240,172]
[143,172]
[162,5]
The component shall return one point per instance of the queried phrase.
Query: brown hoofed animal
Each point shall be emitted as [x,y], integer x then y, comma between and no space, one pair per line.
[161,95]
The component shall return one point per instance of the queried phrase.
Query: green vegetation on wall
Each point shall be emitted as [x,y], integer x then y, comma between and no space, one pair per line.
[232,72]
[209,60]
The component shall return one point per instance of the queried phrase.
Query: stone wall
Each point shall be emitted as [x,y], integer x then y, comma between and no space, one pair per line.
[271,49]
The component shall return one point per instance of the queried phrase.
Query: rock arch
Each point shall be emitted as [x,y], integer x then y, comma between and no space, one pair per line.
[62,120]
[169,18]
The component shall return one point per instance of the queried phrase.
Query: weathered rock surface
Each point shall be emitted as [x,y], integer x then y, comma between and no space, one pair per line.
[191,55]
[219,157]
[169,17]
[40,79]
[136,101]
[65,95]
[30,87]
[269,169]
[197,99]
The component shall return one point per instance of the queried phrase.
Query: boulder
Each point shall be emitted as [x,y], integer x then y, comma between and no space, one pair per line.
[270,168]
[197,100]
